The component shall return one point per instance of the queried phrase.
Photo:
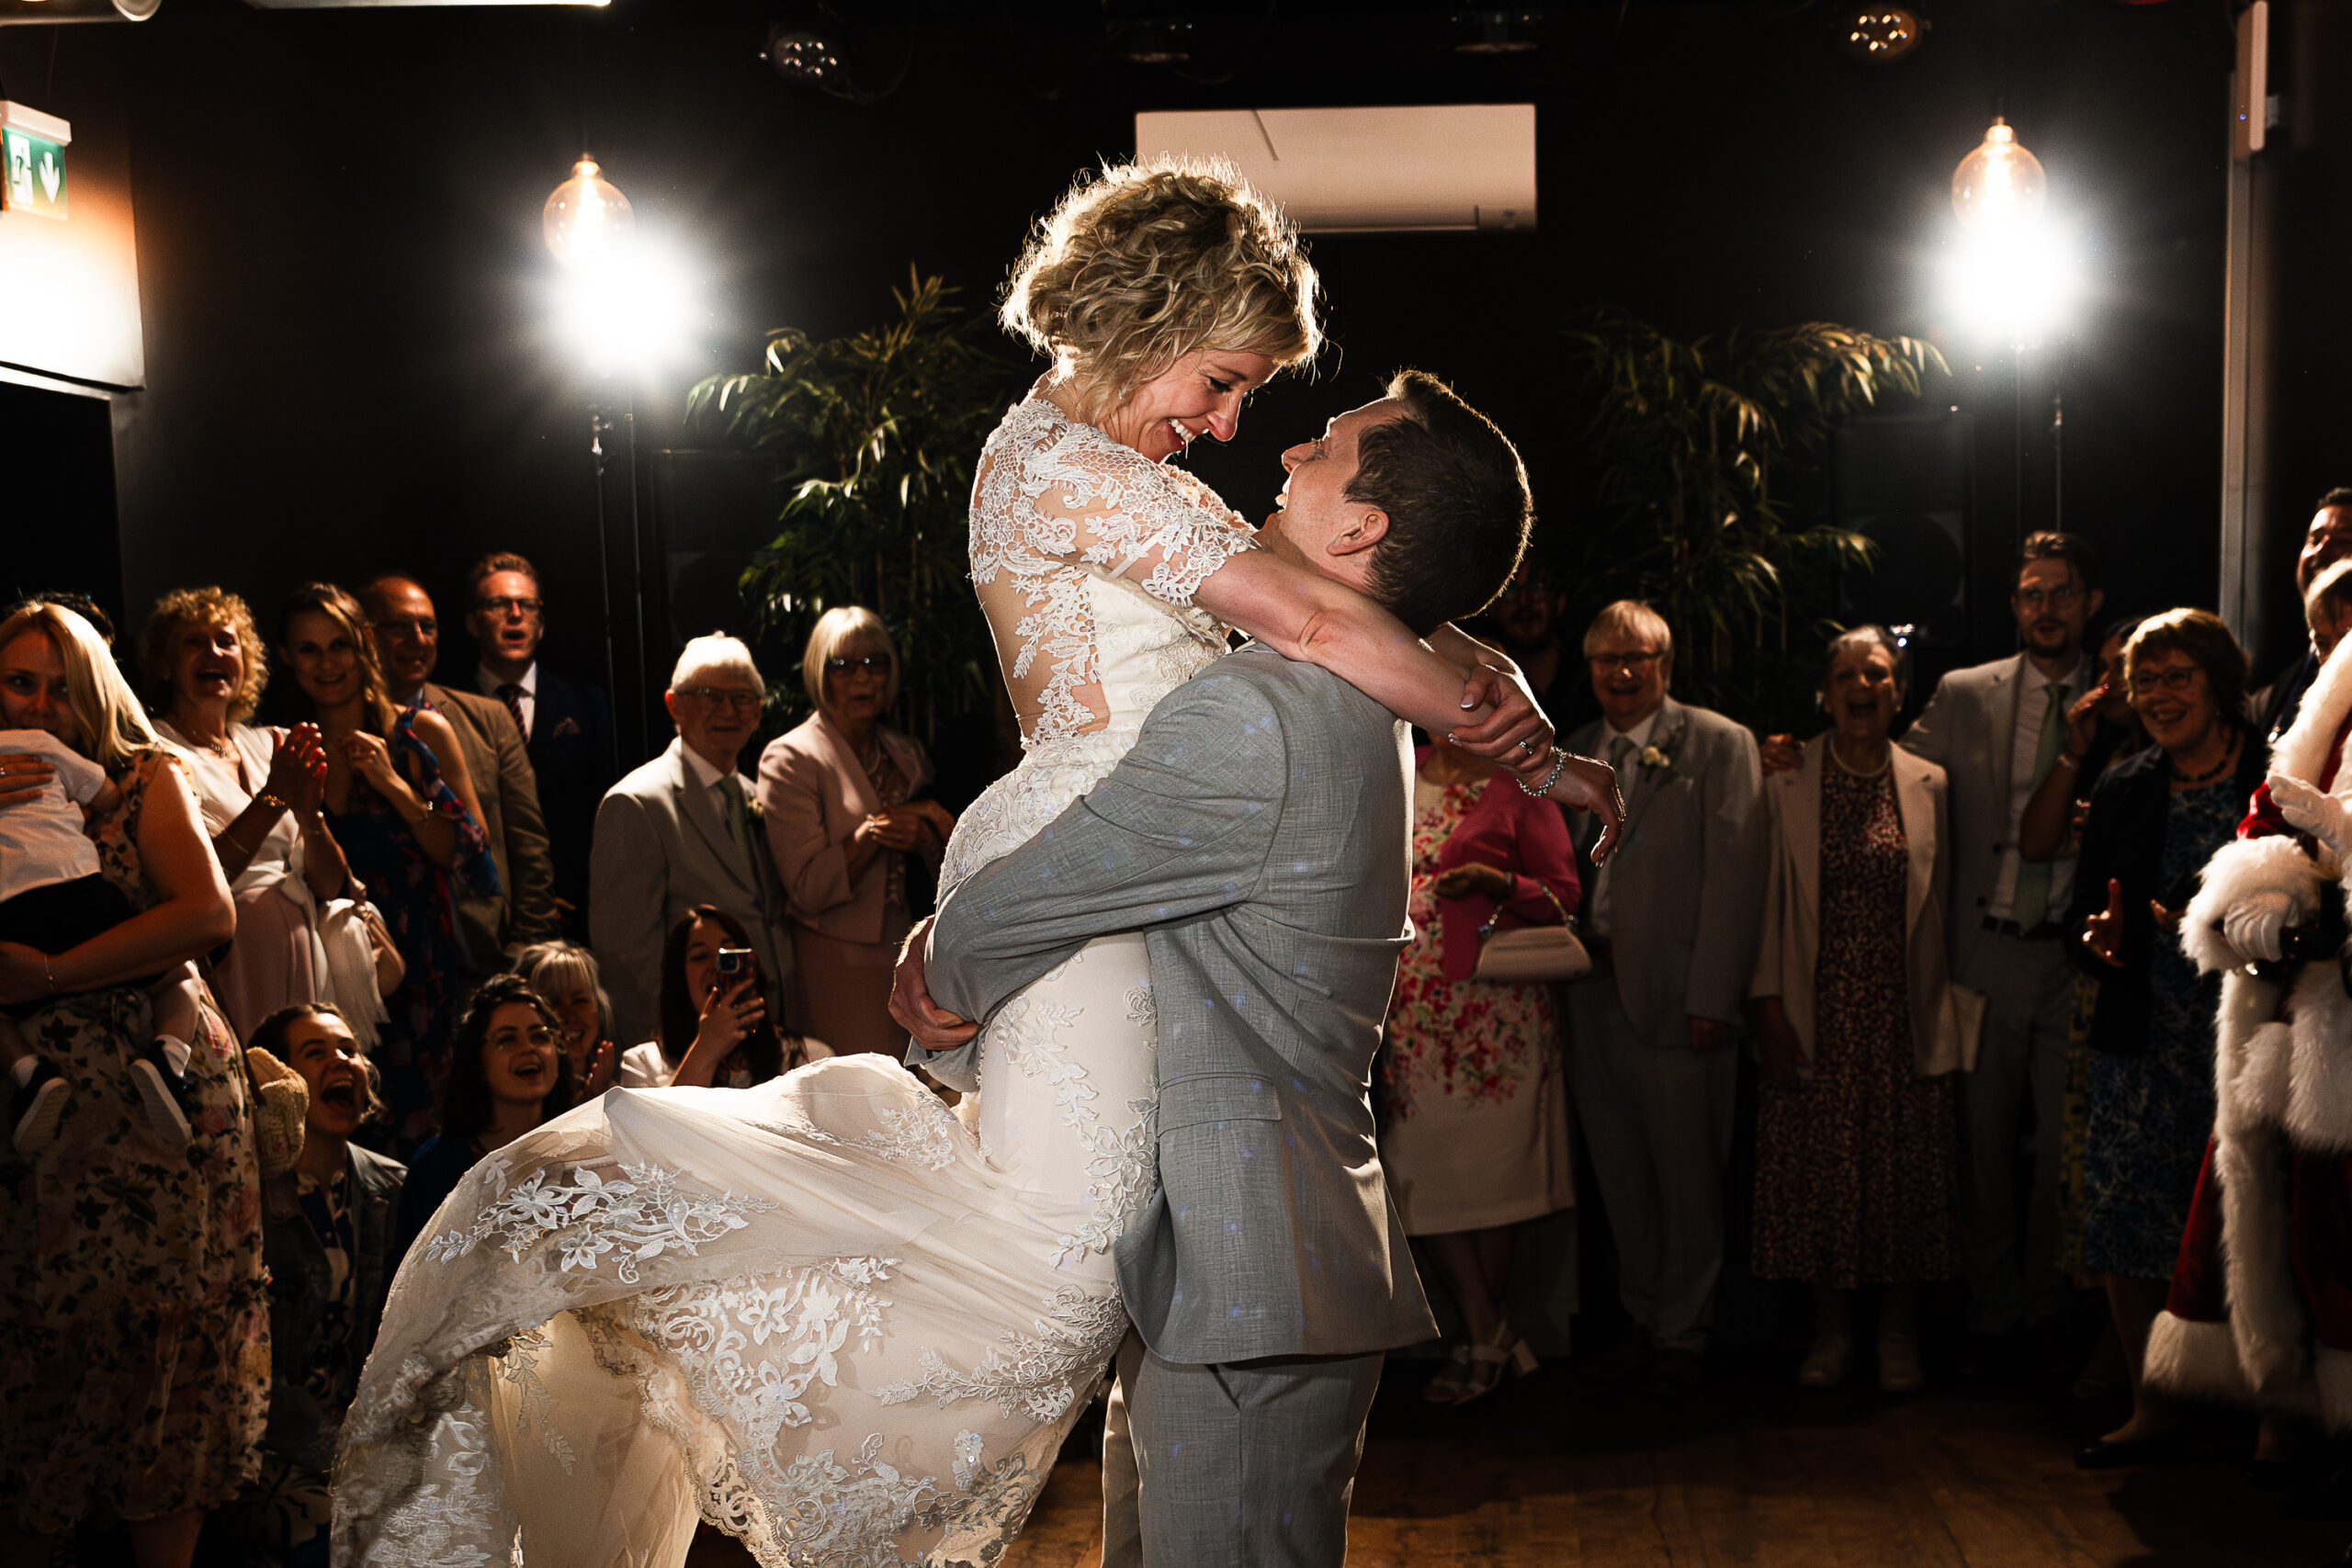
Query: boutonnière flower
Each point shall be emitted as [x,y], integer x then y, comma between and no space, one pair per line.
[1657,760]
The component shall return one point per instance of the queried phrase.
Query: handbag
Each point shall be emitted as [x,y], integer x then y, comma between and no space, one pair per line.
[1530,954]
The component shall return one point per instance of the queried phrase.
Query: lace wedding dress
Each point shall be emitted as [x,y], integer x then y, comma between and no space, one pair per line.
[826,1313]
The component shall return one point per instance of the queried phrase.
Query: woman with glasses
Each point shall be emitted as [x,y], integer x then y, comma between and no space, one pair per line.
[836,797]
[2153,821]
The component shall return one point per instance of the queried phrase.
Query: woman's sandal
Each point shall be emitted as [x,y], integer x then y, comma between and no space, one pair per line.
[1446,1386]
[1489,1364]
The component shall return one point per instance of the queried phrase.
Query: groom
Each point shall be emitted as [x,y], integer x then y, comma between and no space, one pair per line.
[1257,834]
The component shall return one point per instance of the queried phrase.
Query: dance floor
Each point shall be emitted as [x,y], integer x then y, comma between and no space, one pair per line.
[1552,1473]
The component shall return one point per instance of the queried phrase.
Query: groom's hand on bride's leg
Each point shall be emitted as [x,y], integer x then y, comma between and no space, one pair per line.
[934,1028]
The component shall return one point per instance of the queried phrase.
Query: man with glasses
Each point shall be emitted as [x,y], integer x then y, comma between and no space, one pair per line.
[566,729]
[407,636]
[1997,730]
[1672,918]
[679,832]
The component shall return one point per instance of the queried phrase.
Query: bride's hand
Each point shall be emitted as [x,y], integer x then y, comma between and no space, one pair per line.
[1587,785]
[934,1028]
[1516,733]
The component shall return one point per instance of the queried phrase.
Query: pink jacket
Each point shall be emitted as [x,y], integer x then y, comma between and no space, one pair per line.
[1510,830]
[812,796]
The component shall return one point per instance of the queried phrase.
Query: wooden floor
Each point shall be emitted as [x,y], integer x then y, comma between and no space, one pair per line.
[1553,1473]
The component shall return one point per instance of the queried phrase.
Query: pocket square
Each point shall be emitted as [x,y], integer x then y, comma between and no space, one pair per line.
[564,727]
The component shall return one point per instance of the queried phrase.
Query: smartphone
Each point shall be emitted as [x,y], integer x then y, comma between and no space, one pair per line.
[735,965]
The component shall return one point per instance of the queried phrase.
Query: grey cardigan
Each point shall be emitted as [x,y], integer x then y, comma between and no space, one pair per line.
[1256,834]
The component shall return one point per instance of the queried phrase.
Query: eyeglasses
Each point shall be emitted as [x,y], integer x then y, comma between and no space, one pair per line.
[2056,598]
[873,664]
[537,1034]
[722,697]
[2177,681]
[500,603]
[1636,661]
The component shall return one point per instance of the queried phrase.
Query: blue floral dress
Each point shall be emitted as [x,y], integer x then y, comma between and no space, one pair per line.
[2150,1114]
[411,892]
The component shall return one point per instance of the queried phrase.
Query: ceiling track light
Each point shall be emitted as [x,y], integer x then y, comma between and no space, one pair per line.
[825,53]
[1518,30]
[1882,34]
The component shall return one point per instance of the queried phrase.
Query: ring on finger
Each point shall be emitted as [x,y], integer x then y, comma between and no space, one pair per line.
[1528,746]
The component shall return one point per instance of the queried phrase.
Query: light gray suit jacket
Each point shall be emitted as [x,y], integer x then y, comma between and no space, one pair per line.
[1969,730]
[1685,888]
[1256,834]
[661,848]
[523,910]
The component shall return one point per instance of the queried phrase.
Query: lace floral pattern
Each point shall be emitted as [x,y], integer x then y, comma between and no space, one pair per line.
[1038,1373]
[640,1216]
[928,1135]
[1057,504]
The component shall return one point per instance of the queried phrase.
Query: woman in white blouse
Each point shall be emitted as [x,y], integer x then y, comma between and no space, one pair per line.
[260,791]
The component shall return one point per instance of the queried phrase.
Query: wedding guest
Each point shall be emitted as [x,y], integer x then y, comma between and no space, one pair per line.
[2327,540]
[2154,823]
[679,832]
[261,793]
[568,727]
[1528,622]
[133,1301]
[331,1245]
[399,801]
[1651,1058]
[1475,1132]
[2327,608]
[836,797]
[714,1029]
[507,1074]
[494,922]
[1856,1149]
[564,975]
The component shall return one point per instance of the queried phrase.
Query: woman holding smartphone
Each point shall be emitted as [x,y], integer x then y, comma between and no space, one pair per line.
[714,1027]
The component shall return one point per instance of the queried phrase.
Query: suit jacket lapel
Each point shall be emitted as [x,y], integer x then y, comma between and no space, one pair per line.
[1801,819]
[695,807]
[845,765]
[1667,735]
[2002,743]
[1916,806]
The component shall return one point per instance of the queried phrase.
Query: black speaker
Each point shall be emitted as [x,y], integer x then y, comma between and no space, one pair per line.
[1907,482]
[712,512]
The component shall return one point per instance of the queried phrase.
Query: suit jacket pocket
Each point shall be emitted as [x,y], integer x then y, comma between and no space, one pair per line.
[1217,1096]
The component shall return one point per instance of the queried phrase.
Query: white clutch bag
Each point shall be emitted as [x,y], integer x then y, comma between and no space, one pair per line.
[1531,955]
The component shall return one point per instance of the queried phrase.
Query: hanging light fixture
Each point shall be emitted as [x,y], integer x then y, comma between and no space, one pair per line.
[1999,184]
[586,217]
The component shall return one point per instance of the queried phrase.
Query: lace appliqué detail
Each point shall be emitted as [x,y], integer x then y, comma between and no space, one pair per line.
[926,1135]
[1037,1375]
[1142,1011]
[1054,498]
[641,1215]
[1119,1178]
[1026,1034]
[448,1523]
[518,1366]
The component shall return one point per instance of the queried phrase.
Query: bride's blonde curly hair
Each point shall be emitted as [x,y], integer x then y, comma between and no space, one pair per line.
[1144,263]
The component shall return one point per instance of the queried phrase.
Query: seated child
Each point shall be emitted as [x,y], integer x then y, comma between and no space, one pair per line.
[52,898]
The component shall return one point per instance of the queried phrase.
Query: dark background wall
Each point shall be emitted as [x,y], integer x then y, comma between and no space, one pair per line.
[350,358]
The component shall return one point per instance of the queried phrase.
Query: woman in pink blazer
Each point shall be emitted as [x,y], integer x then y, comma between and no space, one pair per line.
[836,800]
[1475,1132]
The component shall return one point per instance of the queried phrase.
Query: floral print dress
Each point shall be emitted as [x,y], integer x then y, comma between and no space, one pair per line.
[1475,1120]
[134,1312]
[1858,1167]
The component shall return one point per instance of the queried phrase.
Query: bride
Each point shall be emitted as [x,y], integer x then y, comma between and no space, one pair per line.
[827,1314]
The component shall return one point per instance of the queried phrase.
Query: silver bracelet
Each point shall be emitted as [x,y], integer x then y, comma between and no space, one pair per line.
[1559,766]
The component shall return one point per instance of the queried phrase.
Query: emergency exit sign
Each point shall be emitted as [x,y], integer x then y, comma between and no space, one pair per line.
[32,161]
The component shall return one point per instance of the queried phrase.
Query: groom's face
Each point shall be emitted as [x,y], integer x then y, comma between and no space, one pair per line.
[1314,524]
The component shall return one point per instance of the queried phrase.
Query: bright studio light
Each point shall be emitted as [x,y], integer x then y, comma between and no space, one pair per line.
[628,309]
[1999,183]
[2017,282]
[586,216]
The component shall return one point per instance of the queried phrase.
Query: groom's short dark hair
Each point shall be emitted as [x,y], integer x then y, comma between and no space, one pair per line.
[1456,497]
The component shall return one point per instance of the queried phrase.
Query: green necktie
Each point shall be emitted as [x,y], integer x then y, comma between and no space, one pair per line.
[1620,748]
[2032,905]
[739,821]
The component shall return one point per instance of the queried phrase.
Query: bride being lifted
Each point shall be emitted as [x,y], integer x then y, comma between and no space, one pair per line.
[827,1314]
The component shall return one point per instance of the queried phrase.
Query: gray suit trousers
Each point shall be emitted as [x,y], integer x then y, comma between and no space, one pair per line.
[1656,1119]
[1249,1463]
[2013,1275]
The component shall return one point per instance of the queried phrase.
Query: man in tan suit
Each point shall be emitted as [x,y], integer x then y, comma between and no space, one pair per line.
[408,640]
[679,832]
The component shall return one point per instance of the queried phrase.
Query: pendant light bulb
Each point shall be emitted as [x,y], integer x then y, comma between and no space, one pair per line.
[1999,184]
[586,217]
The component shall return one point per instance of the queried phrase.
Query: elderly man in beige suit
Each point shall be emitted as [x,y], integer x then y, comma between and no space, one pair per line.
[1652,1043]
[681,831]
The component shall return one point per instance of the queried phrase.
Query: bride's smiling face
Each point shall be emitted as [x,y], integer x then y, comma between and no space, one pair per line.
[1201,393]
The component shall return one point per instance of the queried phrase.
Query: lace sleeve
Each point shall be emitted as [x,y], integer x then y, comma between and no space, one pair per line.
[1107,506]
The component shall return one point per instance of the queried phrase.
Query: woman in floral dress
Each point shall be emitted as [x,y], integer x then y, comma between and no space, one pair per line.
[134,1312]
[1857,1154]
[1474,1138]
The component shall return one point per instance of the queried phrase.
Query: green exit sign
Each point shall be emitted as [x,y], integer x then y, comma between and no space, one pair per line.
[32,161]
